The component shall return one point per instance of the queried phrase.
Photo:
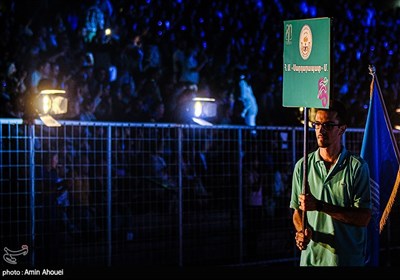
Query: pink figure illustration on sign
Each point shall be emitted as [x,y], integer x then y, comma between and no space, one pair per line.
[322,91]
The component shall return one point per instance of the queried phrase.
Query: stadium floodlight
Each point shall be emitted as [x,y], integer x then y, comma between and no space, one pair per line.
[51,102]
[204,108]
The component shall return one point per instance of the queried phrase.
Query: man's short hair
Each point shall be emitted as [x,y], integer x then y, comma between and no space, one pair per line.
[338,107]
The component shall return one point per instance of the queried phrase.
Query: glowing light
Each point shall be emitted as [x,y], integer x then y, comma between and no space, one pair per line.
[51,102]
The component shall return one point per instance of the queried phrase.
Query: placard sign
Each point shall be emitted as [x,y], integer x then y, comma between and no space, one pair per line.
[307,63]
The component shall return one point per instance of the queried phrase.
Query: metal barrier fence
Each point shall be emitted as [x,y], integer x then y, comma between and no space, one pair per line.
[153,194]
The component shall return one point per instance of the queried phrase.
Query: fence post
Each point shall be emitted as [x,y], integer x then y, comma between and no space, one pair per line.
[240,189]
[32,194]
[109,196]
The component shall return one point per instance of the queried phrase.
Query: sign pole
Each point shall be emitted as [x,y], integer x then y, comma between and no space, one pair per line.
[305,165]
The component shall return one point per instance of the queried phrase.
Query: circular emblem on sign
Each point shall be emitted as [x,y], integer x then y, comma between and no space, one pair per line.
[305,42]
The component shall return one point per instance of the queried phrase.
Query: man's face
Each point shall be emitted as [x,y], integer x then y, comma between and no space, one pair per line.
[327,128]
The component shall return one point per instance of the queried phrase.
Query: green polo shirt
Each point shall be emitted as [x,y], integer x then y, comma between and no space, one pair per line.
[334,243]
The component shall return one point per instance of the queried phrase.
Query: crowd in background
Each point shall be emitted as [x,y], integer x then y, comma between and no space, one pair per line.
[159,54]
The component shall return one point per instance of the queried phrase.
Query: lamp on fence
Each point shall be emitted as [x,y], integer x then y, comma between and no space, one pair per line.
[45,103]
[203,109]
[51,102]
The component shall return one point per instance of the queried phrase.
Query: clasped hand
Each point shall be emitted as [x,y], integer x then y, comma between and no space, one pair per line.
[307,202]
[303,238]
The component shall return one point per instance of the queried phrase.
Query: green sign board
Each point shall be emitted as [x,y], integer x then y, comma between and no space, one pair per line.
[306,63]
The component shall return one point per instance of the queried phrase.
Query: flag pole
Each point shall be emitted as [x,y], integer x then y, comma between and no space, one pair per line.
[305,167]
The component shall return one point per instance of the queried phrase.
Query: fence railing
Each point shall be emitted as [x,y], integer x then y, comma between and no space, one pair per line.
[153,194]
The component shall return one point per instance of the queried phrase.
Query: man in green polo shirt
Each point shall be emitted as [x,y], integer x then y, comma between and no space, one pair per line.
[338,201]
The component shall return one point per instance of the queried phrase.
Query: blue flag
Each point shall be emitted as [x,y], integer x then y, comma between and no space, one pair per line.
[380,150]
